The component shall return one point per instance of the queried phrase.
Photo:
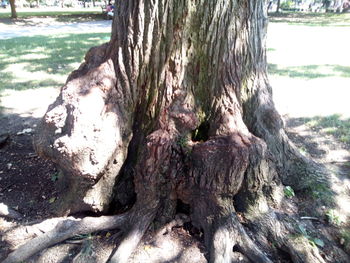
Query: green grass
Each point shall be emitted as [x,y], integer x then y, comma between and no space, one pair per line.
[43,61]
[44,13]
[311,19]
[332,125]
[310,71]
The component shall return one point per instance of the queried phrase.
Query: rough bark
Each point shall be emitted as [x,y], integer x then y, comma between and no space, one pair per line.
[177,108]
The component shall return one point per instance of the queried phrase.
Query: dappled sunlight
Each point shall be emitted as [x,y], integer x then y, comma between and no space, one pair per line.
[43,61]
[33,56]
[309,72]
[312,136]
[21,78]
[33,69]
[27,103]
[311,19]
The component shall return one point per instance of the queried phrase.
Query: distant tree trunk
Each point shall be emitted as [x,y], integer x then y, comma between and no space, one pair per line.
[13,9]
[278,6]
[177,110]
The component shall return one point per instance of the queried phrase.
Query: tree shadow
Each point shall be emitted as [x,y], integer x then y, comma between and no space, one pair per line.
[327,140]
[54,56]
[333,126]
[25,177]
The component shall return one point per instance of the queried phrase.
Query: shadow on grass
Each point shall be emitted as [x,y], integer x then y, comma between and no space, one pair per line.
[325,137]
[310,71]
[311,19]
[51,55]
[334,125]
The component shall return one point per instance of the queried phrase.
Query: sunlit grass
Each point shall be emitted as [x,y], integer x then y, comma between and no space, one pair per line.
[311,19]
[46,13]
[334,125]
[43,61]
[310,71]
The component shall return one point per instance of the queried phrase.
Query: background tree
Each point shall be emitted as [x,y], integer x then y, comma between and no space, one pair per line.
[13,9]
[176,111]
[278,6]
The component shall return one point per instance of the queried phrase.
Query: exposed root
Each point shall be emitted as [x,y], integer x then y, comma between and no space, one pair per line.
[231,234]
[285,237]
[18,235]
[141,219]
[302,252]
[64,230]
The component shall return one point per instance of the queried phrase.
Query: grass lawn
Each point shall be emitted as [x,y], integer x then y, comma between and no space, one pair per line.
[311,19]
[43,61]
[50,12]
[333,125]
[309,69]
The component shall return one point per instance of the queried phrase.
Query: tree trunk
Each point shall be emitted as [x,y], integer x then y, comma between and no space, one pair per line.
[278,6]
[13,9]
[177,109]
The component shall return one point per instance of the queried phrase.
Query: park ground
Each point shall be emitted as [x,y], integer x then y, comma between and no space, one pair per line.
[310,74]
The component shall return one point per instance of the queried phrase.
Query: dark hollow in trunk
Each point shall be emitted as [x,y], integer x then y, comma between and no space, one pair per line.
[177,108]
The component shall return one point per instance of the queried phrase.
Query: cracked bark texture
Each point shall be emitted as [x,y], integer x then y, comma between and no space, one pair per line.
[177,106]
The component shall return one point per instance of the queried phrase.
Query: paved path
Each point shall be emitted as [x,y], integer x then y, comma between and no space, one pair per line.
[12,31]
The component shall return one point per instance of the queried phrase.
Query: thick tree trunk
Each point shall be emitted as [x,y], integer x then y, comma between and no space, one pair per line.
[177,108]
[13,9]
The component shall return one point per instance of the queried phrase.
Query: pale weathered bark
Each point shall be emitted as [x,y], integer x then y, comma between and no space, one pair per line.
[177,108]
